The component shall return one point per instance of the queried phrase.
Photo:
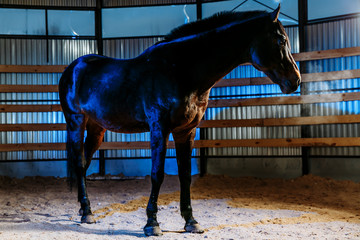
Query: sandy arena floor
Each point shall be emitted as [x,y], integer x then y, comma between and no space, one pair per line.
[228,208]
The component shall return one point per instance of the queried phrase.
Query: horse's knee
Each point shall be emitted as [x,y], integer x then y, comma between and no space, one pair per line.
[185,178]
[80,169]
[157,178]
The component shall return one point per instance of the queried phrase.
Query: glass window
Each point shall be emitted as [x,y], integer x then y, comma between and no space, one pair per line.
[145,21]
[329,8]
[22,21]
[288,11]
[71,23]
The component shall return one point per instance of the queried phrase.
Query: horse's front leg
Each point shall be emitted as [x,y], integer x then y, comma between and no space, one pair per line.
[184,142]
[159,140]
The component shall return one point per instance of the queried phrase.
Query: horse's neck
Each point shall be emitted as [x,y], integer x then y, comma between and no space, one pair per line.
[207,59]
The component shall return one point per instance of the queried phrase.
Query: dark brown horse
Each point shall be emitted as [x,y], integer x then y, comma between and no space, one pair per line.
[165,90]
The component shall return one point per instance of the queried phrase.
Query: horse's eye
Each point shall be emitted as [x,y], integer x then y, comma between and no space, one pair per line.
[282,40]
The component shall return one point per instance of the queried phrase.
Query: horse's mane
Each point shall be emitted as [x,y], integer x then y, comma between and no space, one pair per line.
[207,24]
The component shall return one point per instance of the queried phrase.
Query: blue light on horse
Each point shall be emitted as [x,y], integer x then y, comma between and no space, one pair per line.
[165,90]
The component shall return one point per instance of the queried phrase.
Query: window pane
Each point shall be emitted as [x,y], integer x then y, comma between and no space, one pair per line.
[22,21]
[329,8]
[71,23]
[145,21]
[288,11]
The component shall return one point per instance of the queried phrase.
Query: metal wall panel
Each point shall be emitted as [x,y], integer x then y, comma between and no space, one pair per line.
[331,35]
[276,111]
[36,52]
[53,3]
[128,47]
[133,3]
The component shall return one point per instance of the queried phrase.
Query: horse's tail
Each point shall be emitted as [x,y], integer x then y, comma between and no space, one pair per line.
[70,169]
[69,99]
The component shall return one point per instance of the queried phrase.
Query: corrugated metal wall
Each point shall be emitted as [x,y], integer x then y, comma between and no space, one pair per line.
[331,35]
[133,3]
[36,52]
[92,3]
[254,112]
[58,3]
[128,47]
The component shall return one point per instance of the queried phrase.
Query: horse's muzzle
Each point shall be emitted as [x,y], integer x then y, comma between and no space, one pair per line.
[290,85]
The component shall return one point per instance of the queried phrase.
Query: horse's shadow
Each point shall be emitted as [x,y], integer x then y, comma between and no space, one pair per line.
[77,227]
[80,228]
[62,225]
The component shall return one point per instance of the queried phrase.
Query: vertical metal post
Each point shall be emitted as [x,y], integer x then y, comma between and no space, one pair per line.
[203,154]
[203,158]
[98,27]
[102,162]
[305,111]
[47,36]
[100,48]
[198,9]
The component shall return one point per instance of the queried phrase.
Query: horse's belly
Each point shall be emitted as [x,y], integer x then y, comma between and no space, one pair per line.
[118,121]
[123,124]
[128,128]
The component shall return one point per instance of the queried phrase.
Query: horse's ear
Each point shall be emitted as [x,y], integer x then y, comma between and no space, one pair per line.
[275,14]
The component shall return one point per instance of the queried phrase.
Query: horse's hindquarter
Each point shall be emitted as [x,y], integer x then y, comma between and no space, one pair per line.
[110,95]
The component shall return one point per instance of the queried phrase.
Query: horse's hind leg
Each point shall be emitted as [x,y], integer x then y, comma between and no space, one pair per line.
[75,124]
[95,135]
[184,143]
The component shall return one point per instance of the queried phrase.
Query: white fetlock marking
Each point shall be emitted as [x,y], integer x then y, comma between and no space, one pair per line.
[195,228]
[153,231]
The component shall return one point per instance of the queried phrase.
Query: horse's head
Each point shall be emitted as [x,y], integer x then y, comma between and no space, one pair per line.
[270,53]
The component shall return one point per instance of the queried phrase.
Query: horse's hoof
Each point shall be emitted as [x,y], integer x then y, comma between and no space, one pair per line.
[193,227]
[88,219]
[152,231]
